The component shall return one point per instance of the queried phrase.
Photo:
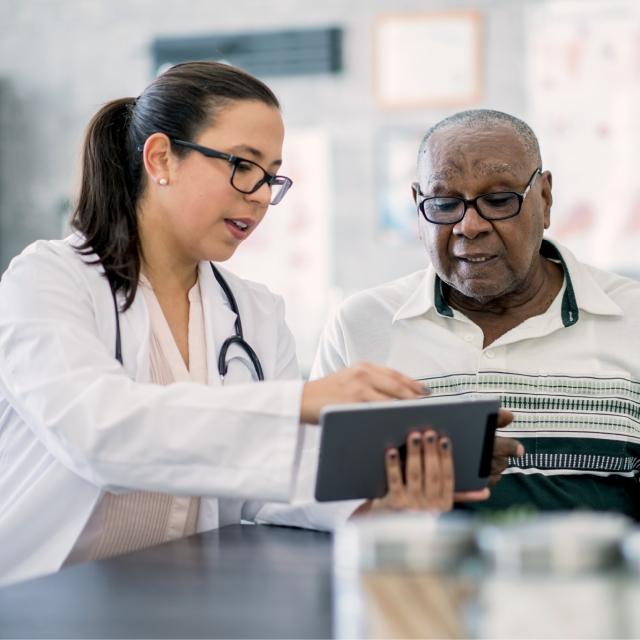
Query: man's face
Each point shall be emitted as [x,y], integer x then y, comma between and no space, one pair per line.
[484,260]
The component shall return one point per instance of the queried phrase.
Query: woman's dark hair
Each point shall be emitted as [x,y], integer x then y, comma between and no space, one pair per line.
[180,103]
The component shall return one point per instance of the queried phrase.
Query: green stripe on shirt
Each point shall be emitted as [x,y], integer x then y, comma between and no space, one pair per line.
[581,435]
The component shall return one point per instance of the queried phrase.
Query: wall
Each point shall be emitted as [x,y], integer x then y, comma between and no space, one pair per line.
[60,59]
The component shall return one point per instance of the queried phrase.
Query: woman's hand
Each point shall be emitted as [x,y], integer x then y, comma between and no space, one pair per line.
[363,382]
[429,478]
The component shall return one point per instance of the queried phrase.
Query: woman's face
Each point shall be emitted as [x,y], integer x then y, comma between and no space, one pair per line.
[202,214]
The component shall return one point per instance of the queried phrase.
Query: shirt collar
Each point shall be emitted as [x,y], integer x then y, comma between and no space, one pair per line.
[581,292]
[586,294]
[423,298]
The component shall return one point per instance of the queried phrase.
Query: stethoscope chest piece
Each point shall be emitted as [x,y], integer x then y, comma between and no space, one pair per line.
[236,339]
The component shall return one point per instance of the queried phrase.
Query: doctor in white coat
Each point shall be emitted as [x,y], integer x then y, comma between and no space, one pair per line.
[127,417]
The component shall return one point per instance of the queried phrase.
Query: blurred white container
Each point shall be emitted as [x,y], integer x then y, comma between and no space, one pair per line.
[392,576]
[572,542]
[631,550]
[413,541]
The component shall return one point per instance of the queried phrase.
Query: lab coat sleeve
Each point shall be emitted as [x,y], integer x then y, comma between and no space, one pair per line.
[240,441]
[287,368]
[304,511]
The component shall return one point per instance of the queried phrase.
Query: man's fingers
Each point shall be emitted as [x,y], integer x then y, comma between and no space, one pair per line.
[505,447]
[505,417]
[472,496]
[498,465]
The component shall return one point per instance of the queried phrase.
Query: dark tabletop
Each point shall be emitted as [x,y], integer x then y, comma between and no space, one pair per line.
[236,582]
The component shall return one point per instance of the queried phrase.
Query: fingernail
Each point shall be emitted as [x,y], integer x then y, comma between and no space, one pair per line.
[431,438]
[444,444]
[520,451]
[415,440]
[392,454]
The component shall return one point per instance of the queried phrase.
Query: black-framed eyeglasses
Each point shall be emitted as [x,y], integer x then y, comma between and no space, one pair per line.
[499,205]
[246,176]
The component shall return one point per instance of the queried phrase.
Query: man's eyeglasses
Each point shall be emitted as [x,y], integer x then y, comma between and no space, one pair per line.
[246,176]
[499,205]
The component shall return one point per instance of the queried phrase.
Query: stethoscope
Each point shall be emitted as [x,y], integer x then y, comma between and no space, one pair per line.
[237,338]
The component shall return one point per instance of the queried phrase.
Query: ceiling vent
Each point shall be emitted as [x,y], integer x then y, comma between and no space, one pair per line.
[264,53]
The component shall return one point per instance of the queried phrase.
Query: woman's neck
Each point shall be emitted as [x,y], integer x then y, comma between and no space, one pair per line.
[166,267]
[169,278]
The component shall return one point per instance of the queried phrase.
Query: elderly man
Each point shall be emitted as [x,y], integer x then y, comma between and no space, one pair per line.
[503,311]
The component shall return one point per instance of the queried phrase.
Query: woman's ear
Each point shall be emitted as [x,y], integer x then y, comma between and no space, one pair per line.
[156,156]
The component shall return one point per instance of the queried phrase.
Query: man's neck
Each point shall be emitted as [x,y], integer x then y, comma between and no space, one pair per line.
[498,315]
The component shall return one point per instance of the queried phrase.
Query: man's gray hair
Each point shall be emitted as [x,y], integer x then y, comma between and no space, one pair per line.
[487,119]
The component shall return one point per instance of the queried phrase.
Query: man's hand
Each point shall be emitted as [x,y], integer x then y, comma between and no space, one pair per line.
[503,448]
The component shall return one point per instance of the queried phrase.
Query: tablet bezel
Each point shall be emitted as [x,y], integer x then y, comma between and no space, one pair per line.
[355,437]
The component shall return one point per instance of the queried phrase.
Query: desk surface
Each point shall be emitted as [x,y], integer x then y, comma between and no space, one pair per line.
[239,581]
[275,582]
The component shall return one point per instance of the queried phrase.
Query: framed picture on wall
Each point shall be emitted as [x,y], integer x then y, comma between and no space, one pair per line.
[428,59]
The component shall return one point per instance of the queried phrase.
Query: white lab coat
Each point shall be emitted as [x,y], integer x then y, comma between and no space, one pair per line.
[74,423]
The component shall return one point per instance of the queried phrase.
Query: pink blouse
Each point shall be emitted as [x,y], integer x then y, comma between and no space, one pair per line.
[125,522]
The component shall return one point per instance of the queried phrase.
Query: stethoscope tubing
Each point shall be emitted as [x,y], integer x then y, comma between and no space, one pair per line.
[237,338]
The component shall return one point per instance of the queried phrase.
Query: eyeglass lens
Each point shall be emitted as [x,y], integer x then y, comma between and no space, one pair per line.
[248,177]
[493,206]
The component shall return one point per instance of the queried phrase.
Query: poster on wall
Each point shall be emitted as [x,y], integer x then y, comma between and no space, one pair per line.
[289,252]
[396,159]
[584,101]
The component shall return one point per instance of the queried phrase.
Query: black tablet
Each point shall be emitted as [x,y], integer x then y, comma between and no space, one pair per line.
[355,437]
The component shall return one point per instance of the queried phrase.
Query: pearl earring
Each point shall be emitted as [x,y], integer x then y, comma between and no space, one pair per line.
[163,182]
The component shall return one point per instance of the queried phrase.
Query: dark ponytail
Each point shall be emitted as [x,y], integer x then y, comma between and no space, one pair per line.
[106,211]
[180,103]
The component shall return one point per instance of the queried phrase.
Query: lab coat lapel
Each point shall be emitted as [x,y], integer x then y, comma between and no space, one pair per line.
[220,325]
[134,326]
[135,337]
[219,320]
